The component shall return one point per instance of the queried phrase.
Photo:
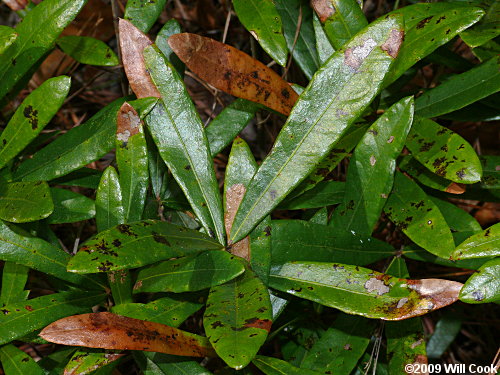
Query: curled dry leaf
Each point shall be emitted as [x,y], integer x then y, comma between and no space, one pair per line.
[127,123]
[234,195]
[132,43]
[110,331]
[233,71]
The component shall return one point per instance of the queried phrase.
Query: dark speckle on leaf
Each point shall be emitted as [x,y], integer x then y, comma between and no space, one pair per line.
[478,295]
[32,116]
[424,22]
[126,229]
[461,173]
[160,239]
[267,231]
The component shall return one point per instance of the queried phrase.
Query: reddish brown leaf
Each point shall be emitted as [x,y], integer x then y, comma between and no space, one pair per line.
[233,71]
[110,331]
[455,188]
[234,195]
[127,122]
[323,8]
[132,43]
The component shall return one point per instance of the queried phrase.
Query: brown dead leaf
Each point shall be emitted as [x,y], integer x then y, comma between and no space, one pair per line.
[110,331]
[234,196]
[323,8]
[128,123]
[16,5]
[132,43]
[233,71]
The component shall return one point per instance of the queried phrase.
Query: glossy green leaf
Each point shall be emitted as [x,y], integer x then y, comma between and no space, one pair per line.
[443,152]
[340,347]
[275,366]
[171,311]
[132,160]
[237,319]
[88,50]
[483,286]
[190,273]
[371,170]
[323,45]
[74,149]
[183,144]
[122,247]
[70,207]
[417,253]
[21,202]
[294,240]
[487,51]
[14,277]
[144,13]
[487,28]
[108,201]
[418,217]
[227,125]
[320,217]
[345,86]
[297,14]
[325,193]
[20,247]
[424,176]
[361,291]
[16,362]
[342,19]
[432,26]
[32,116]
[260,249]
[18,319]
[170,28]
[85,362]
[491,167]
[302,336]
[7,36]
[165,364]
[460,90]
[447,329]
[83,177]
[263,21]
[32,44]
[480,245]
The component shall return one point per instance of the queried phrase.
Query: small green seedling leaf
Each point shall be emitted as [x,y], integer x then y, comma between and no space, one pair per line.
[443,152]
[483,286]
[144,13]
[189,274]
[70,207]
[122,246]
[88,50]
[361,291]
[480,245]
[22,202]
[32,116]
[263,21]
[312,131]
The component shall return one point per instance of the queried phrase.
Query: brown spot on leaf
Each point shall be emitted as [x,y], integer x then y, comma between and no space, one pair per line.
[424,22]
[259,323]
[355,56]
[323,8]
[128,123]
[393,43]
[32,116]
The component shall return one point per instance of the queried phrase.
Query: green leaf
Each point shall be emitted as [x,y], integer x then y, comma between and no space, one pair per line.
[21,318]
[342,19]
[16,362]
[260,249]
[14,277]
[297,14]
[189,274]
[294,240]
[491,166]
[32,116]
[171,311]
[486,29]
[183,145]
[20,247]
[371,170]
[324,193]
[263,21]
[418,217]
[323,45]
[360,291]
[76,148]
[83,177]
[144,13]
[132,160]
[417,253]
[340,347]
[108,201]
[487,51]
[165,364]
[443,152]
[70,207]
[460,90]
[21,202]
[432,26]
[447,329]
[320,217]
[37,33]
[226,126]
[480,245]
[7,36]
[85,362]
[275,366]
[345,86]
[237,319]
[122,247]
[88,50]
[483,286]
[171,27]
